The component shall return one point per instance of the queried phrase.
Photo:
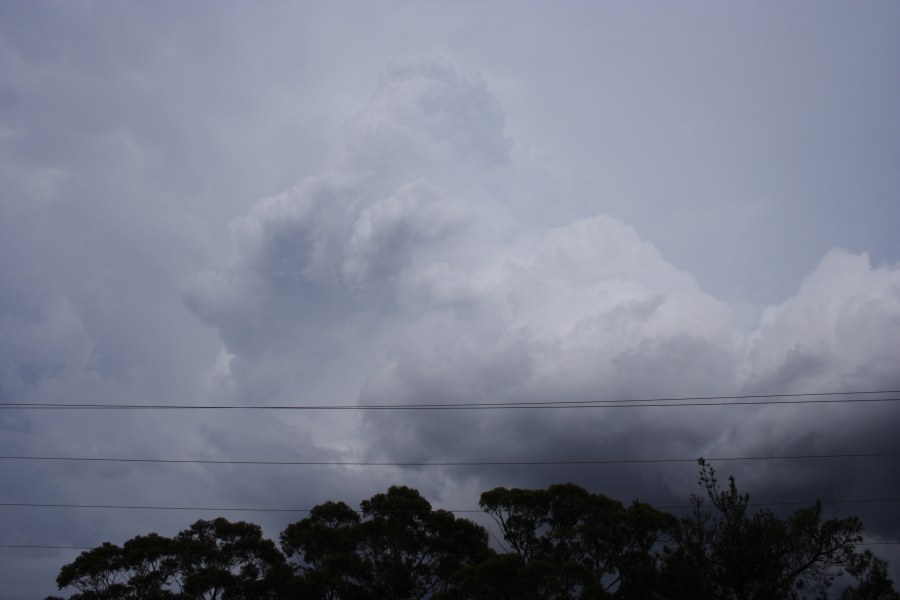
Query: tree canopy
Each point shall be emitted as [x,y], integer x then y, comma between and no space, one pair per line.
[556,543]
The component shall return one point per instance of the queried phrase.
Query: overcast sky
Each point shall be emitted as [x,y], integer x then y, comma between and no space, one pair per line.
[389,202]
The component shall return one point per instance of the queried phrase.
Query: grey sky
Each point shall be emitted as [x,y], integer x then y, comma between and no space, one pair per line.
[384,202]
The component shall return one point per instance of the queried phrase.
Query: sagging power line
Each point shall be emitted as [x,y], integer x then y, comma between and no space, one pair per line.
[685,401]
[477,463]
[461,510]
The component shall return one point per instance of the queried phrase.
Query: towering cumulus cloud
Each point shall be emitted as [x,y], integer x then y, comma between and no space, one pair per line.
[386,280]
[840,330]
[424,114]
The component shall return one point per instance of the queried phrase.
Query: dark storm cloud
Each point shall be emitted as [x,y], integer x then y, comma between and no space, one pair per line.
[584,311]
[425,256]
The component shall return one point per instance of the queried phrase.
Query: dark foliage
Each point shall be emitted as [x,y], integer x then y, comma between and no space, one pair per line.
[559,543]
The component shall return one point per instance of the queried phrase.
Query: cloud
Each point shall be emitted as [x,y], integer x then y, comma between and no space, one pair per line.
[387,235]
[46,345]
[426,112]
[839,330]
[424,260]
[384,286]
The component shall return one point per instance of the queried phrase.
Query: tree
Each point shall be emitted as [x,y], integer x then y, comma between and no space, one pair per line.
[590,545]
[144,567]
[211,560]
[504,577]
[731,554]
[220,560]
[874,583]
[325,549]
[397,548]
[562,542]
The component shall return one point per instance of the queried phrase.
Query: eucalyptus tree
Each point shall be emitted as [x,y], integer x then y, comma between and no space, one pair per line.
[395,548]
[726,552]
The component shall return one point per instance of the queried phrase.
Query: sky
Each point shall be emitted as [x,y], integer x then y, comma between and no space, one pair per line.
[248,204]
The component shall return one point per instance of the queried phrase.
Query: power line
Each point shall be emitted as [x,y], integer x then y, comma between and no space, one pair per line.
[482,463]
[464,510]
[738,400]
[154,507]
[47,547]
[44,547]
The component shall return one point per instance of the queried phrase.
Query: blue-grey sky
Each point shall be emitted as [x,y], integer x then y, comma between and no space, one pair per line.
[387,202]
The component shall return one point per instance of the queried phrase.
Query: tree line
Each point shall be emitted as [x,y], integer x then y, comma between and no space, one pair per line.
[562,542]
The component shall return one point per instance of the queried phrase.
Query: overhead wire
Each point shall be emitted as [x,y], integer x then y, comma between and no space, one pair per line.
[404,511]
[667,402]
[733,400]
[474,463]
[49,547]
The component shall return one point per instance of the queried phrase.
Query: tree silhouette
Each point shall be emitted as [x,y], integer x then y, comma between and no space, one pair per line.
[562,542]
[728,553]
[398,548]
[211,560]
